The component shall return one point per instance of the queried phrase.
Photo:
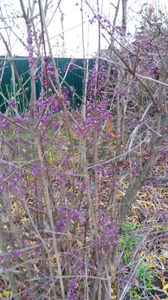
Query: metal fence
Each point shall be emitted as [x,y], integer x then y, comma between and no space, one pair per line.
[9,85]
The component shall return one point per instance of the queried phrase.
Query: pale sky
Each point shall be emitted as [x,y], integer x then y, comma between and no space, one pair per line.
[67,39]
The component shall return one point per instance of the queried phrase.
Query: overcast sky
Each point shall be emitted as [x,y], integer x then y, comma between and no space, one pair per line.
[66,37]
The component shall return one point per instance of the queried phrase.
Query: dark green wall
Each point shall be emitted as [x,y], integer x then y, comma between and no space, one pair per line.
[74,79]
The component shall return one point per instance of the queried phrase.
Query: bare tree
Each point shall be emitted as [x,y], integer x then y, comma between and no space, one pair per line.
[69,177]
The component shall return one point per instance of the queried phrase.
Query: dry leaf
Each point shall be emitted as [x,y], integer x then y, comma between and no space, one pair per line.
[109,128]
[112,271]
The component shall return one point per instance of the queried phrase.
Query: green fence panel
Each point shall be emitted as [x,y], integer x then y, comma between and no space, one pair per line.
[73,80]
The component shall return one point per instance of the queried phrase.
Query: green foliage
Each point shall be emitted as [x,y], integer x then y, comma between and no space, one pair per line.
[129,226]
[133,294]
[145,273]
[127,242]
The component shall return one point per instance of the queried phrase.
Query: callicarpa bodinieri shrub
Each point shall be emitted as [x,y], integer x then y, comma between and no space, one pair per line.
[68,177]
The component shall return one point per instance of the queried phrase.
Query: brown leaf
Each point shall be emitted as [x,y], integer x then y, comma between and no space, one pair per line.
[112,271]
[73,134]
[109,128]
